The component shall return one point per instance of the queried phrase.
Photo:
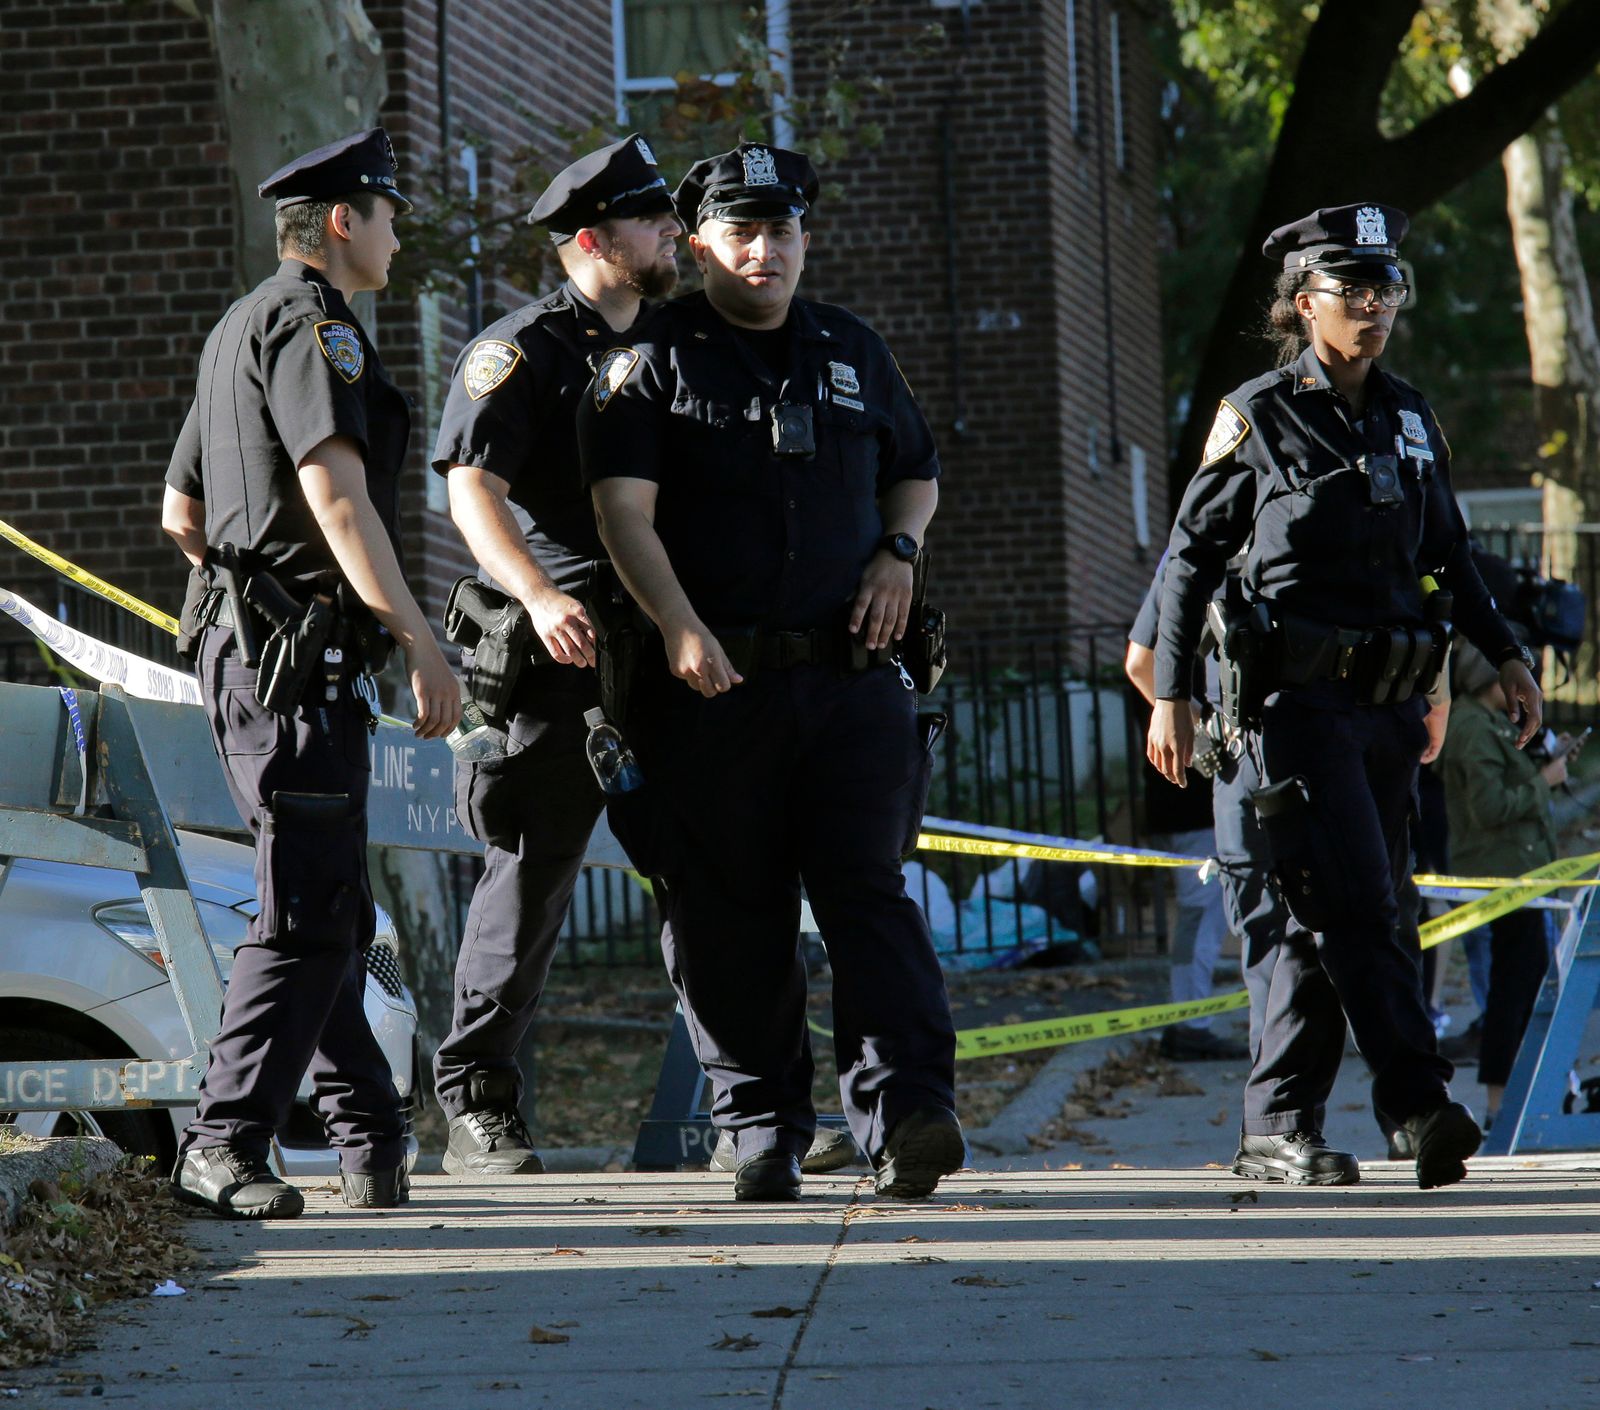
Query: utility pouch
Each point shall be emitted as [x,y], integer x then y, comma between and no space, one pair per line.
[620,658]
[294,654]
[1285,812]
[922,651]
[495,628]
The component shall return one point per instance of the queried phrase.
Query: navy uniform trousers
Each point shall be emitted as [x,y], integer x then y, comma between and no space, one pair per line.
[1360,963]
[533,811]
[802,775]
[294,999]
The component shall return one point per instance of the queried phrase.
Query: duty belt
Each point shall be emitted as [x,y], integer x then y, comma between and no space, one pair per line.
[768,650]
[1385,664]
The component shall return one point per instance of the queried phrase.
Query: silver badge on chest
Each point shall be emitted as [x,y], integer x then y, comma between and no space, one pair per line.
[1412,429]
[843,377]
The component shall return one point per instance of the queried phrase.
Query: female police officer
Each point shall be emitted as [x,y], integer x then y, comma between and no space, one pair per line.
[1338,477]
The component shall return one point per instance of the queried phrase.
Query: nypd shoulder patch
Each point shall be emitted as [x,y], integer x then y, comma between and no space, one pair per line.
[488,365]
[341,345]
[613,371]
[1228,431]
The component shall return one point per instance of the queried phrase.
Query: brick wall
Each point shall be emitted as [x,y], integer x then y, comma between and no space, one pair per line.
[115,236]
[115,242]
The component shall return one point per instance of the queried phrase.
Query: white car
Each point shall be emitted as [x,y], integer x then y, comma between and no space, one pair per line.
[81,976]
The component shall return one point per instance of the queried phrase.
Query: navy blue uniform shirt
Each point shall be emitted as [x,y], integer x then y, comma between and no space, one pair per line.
[287,367]
[758,539]
[1280,471]
[511,410]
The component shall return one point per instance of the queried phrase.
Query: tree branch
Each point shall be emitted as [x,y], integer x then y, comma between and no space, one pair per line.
[1445,149]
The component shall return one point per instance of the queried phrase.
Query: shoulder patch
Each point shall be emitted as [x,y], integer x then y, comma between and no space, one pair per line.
[341,345]
[1228,431]
[488,365]
[615,368]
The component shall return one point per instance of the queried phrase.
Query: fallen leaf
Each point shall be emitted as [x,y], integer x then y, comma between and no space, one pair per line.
[656,1287]
[541,1336]
[730,1342]
[965,1209]
[660,1231]
[359,1327]
[1217,1120]
[778,1312]
[1118,1165]
[921,1258]
[917,1239]
[378,1297]
[559,1252]
[1261,1355]
[980,1280]
[590,1199]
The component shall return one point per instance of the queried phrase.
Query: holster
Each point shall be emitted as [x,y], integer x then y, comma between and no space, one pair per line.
[922,651]
[496,629]
[1243,636]
[294,655]
[621,635]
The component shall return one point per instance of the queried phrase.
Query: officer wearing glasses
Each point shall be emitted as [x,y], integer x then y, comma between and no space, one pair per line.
[1337,476]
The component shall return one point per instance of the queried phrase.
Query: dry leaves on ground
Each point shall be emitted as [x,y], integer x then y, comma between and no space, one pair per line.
[78,1244]
[542,1336]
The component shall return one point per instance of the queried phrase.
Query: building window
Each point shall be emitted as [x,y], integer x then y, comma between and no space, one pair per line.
[1119,126]
[658,39]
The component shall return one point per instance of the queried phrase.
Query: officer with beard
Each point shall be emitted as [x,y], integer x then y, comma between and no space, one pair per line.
[508,449]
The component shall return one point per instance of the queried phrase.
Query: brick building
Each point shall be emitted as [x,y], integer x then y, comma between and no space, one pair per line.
[1002,238]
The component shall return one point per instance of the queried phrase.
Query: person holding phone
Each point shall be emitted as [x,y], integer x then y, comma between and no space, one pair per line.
[1498,800]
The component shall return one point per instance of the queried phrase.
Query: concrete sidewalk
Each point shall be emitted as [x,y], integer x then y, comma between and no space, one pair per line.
[1120,1289]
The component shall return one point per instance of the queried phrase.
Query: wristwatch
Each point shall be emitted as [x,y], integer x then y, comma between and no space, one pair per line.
[1521,654]
[903,546]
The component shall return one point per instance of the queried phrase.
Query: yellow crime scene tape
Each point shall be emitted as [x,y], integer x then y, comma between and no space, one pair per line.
[86,579]
[1508,893]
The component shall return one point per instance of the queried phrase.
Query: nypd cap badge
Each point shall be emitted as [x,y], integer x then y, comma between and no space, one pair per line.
[341,345]
[1228,430]
[611,374]
[759,167]
[1371,227]
[488,365]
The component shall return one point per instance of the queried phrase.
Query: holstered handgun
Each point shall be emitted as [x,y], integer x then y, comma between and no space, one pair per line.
[495,628]
[922,651]
[619,642]
[296,652]
[224,560]
[1243,634]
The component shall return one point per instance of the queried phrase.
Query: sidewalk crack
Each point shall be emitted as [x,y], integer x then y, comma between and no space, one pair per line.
[816,1294]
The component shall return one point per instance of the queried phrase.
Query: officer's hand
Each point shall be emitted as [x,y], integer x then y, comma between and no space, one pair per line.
[1524,700]
[435,687]
[563,626]
[698,660]
[1436,720]
[1170,744]
[883,601]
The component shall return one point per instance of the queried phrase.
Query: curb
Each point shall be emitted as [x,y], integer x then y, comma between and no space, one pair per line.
[1041,1100]
[24,1159]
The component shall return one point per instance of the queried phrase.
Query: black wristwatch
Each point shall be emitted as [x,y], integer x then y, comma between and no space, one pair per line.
[1521,654]
[903,546]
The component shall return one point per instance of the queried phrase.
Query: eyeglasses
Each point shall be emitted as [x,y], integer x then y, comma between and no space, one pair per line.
[1360,296]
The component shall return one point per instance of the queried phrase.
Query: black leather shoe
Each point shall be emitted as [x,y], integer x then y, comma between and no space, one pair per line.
[1181,1043]
[234,1184]
[1295,1158]
[921,1150]
[490,1136]
[770,1176]
[1443,1139]
[376,1189]
[830,1150]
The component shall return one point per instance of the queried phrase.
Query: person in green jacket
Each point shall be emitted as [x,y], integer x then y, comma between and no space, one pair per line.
[1498,800]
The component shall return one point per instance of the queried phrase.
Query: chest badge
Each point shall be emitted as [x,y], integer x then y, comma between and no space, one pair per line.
[488,365]
[1412,429]
[1228,431]
[611,374]
[341,345]
[843,377]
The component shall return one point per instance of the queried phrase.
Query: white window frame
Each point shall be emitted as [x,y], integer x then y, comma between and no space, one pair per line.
[777,40]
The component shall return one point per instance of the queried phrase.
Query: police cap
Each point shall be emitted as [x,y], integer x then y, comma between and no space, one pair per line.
[1349,241]
[752,182]
[361,162]
[617,181]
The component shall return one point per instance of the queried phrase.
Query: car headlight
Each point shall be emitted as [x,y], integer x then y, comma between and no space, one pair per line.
[130,922]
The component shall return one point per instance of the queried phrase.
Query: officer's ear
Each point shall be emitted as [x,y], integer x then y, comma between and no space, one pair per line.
[588,240]
[697,248]
[339,219]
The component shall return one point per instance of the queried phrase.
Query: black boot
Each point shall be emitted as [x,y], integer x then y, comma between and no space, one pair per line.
[830,1150]
[1443,1139]
[770,1176]
[376,1189]
[921,1149]
[490,1137]
[1295,1158]
[234,1184]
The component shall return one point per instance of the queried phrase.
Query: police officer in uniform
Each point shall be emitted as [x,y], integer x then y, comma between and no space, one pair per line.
[508,445]
[763,479]
[1338,477]
[287,472]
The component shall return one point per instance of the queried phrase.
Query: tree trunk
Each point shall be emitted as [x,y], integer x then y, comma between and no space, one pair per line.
[295,74]
[1330,151]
